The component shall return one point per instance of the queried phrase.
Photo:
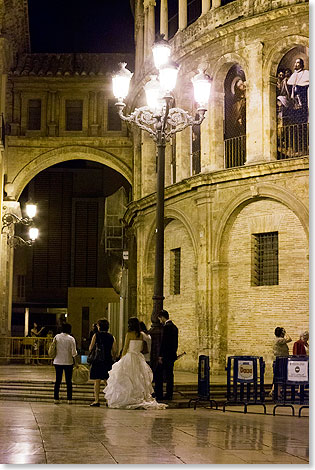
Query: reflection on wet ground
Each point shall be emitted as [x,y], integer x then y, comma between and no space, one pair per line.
[39,433]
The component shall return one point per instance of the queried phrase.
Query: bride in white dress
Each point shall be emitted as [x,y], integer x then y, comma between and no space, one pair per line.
[129,385]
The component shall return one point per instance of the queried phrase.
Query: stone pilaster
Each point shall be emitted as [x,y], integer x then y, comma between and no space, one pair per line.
[182,14]
[219,316]
[93,125]
[148,159]
[183,158]
[205,6]
[212,156]
[16,122]
[52,126]
[203,203]
[254,108]
[164,18]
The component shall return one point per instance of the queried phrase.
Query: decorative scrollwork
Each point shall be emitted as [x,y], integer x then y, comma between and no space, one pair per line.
[143,118]
[172,120]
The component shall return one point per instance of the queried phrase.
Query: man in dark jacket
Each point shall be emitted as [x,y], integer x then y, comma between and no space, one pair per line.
[167,357]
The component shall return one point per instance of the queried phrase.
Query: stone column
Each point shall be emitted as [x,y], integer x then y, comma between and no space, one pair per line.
[270,118]
[52,126]
[205,6]
[16,121]
[164,19]
[93,114]
[139,37]
[254,108]
[216,3]
[137,144]
[182,14]
[183,154]
[203,207]
[219,316]
[148,164]
[212,134]
[149,28]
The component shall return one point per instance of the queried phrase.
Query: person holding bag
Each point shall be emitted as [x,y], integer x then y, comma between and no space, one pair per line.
[103,352]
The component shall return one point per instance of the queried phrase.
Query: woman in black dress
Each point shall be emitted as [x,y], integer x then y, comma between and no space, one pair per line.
[99,370]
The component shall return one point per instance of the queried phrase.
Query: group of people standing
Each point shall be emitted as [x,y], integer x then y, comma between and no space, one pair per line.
[128,380]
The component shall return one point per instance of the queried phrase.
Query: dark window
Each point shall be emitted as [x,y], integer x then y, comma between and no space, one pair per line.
[34,115]
[113,119]
[74,110]
[175,271]
[265,263]
[196,148]
[21,286]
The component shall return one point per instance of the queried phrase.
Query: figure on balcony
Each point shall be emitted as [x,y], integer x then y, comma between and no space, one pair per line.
[239,107]
[299,81]
[284,100]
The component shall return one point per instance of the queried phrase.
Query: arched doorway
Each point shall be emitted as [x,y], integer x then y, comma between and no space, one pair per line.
[77,233]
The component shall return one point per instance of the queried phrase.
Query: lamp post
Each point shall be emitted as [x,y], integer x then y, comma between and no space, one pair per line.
[9,220]
[161,121]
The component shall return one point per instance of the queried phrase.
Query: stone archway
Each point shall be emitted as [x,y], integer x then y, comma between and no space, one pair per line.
[20,178]
[181,306]
[237,304]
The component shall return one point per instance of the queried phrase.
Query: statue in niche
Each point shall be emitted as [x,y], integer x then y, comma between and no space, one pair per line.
[238,88]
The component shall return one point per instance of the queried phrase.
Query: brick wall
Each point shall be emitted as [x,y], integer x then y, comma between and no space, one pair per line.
[255,311]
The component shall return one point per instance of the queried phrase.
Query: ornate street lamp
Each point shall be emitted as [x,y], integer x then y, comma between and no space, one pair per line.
[10,219]
[161,121]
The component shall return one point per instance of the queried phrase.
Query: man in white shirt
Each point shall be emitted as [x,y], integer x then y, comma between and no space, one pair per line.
[66,351]
[300,80]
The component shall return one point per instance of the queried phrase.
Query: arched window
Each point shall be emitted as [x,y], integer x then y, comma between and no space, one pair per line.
[235,117]
[293,104]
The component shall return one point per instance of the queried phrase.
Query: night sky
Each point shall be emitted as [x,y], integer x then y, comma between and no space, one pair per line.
[81,26]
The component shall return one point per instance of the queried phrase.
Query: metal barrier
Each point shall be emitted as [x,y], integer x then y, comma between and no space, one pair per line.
[235,151]
[293,141]
[26,349]
[203,383]
[291,382]
[245,381]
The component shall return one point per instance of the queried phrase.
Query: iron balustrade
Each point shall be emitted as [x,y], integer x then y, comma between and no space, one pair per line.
[235,151]
[27,349]
[293,141]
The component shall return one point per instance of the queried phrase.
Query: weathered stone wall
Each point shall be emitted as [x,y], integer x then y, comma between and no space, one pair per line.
[255,311]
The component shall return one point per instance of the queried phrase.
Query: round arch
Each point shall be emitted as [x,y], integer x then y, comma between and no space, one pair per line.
[282,46]
[45,160]
[169,215]
[262,191]
[223,65]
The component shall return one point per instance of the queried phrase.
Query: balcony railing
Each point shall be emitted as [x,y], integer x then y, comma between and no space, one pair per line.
[235,151]
[293,141]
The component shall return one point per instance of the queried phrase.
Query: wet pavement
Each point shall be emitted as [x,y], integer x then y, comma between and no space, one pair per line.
[44,433]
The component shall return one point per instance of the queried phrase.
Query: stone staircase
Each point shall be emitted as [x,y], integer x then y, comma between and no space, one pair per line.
[42,391]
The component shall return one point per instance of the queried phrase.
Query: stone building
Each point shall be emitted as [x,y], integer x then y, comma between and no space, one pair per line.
[236,202]
[236,199]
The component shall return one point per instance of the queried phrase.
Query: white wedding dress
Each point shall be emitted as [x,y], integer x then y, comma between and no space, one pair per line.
[129,385]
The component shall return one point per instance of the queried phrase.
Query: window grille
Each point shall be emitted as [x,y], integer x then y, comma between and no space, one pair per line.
[34,115]
[175,271]
[74,110]
[113,119]
[265,262]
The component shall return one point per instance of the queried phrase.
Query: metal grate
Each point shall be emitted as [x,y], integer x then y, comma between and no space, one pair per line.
[175,271]
[265,262]
[293,141]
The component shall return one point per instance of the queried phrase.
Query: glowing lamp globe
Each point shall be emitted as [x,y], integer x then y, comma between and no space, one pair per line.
[121,82]
[202,88]
[33,233]
[31,210]
[168,76]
